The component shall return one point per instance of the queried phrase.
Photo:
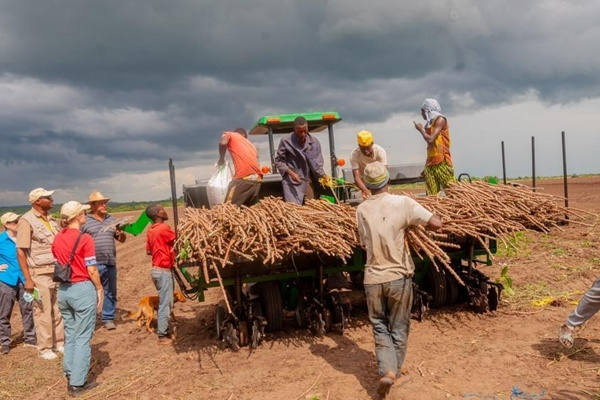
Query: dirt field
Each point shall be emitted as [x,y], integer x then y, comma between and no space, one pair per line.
[452,354]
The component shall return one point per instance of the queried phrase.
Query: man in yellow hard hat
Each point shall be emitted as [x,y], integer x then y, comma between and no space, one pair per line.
[366,153]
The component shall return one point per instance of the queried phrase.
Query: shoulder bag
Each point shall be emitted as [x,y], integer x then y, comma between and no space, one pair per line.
[62,272]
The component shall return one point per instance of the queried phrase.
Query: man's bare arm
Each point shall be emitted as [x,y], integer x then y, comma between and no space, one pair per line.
[435,132]
[434,223]
[223,143]
[360,183]
[22,257]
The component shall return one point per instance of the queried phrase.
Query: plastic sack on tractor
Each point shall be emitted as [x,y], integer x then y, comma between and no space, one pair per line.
[216,189]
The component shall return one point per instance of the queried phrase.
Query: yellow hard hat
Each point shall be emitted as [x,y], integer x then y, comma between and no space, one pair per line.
[364,138]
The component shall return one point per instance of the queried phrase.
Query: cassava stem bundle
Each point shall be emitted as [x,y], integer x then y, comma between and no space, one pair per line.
[273,229]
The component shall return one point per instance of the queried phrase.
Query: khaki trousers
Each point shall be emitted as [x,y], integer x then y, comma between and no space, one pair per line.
[48,321]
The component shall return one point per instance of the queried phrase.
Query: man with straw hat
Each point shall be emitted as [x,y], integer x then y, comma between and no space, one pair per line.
[382,219]
[102,227]
[366,153]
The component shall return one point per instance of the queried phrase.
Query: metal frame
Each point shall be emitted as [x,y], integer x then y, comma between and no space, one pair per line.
[356,263]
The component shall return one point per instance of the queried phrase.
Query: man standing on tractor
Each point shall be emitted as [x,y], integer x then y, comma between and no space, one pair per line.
[366,153]
[245,185]
[439,171]
[299,160]
[382,219]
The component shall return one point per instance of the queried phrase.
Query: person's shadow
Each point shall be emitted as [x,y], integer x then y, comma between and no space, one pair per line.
[100,360]
[553,351]
[349,358]
[196,331]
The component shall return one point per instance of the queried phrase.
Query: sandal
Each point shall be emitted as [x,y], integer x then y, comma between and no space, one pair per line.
[565,336]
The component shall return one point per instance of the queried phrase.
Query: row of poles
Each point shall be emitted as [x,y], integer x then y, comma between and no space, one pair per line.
[533,176]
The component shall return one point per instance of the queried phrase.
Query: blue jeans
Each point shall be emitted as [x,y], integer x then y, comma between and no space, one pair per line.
[108,277]
[389,307]
[163,281]
[77,305]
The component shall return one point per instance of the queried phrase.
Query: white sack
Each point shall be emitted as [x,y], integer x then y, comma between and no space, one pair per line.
[216,188]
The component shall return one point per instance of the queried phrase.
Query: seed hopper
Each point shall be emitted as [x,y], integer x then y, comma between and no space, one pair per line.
[313,290]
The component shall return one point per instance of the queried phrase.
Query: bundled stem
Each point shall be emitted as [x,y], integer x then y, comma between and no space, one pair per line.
[274,229]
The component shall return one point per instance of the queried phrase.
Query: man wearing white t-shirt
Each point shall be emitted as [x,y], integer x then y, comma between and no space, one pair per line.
[382,219]
[366,153]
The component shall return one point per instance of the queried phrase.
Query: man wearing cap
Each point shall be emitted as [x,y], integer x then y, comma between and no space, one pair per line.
[300,162]
[245,185]
[382,219]
[366,153]
[101,226]
[35,233]
[11,286]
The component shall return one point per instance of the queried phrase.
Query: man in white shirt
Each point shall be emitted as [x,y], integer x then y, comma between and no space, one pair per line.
[366,153]
[382,219]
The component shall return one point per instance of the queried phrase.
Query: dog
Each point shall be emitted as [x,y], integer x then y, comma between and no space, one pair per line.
[148,308]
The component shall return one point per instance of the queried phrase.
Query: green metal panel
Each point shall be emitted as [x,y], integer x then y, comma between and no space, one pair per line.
[356,263]
[284,123]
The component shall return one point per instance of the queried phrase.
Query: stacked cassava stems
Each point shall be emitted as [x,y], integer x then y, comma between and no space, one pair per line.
[483,211]
[273,229]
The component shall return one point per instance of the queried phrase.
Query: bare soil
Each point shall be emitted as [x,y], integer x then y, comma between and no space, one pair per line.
[453,354]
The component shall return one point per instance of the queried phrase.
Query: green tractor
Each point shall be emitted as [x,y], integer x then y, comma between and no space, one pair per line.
[299,286]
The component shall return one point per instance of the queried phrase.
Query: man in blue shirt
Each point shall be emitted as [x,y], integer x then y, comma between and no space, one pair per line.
[101,226]
[11,286]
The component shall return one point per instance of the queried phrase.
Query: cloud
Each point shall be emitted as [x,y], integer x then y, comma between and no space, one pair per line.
[103,91]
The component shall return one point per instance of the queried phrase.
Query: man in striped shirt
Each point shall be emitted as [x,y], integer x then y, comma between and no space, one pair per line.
[101,226]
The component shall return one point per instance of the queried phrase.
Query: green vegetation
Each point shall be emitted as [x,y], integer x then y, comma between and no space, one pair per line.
[506,281]
[514,245]
[594,260]
[559,252]
[113,207]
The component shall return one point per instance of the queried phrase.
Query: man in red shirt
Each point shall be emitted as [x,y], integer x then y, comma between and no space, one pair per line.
[244,187]
[159,244]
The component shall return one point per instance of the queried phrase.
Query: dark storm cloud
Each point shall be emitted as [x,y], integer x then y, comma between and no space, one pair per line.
[102,87]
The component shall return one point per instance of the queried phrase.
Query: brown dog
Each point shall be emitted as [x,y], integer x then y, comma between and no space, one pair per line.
[148,308]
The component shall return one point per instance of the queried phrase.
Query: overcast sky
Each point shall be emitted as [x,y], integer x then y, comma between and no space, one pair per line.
[99,94]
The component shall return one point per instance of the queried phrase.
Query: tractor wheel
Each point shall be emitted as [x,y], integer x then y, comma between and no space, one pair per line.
[493,298]
[243,333]
[327,317]
[453,288]
[300,314]
[338,317]
[271,305]
[357,278]
[436,283]
[220,315]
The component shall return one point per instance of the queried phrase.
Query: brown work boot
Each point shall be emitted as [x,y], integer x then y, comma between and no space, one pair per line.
[385,383]
[164,341]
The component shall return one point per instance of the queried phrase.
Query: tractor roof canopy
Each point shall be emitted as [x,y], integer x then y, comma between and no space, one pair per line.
[284,123]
